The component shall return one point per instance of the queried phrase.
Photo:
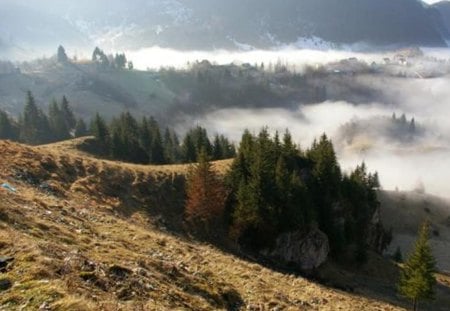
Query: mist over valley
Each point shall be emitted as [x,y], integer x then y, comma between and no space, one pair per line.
[237,155]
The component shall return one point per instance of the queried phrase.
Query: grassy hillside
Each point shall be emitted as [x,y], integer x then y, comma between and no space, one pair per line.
[89,89]
[169,93]
[87,234]
[404,212]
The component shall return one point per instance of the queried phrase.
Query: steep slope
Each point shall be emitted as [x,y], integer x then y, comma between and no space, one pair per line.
[88,89]
[404,213]
[85,234]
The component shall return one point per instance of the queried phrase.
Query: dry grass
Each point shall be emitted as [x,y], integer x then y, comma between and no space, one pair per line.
[92,239]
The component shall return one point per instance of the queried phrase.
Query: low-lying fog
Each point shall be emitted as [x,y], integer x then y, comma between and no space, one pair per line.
[157,57]
[422,162]
[405,164]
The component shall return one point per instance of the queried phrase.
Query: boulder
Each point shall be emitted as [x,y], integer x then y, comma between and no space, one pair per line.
[305,250]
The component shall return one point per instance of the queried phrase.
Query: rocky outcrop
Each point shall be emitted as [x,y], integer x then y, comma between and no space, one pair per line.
[377,237]
[307,251]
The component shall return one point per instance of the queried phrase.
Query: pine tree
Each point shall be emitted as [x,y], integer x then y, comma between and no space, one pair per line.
[156,152]
[205,195]
[67,114]
[58,125]
[417,278]
[8,127]
[412,126]
[100,130]
[196,140]
[34,125]
[326,188]
[171,146]
[61,55]
[80,128]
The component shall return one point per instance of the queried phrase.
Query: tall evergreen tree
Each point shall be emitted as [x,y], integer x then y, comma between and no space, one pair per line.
[156,152]
[196,140]
[326,188]
[58,125]
[80,128]
[417,278]
[205,195]
[8,127]
[67,114]
[171,146]
[34,125]
[61,55]
[100,130]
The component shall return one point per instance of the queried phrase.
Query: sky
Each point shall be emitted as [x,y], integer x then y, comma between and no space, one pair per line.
[431,1]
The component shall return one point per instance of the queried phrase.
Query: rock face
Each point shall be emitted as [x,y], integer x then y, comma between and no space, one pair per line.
[377,237]
[306,251]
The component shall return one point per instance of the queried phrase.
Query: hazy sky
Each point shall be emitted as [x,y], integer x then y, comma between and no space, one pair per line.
[431,1]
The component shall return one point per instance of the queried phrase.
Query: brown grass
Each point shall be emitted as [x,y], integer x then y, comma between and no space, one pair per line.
[93,240]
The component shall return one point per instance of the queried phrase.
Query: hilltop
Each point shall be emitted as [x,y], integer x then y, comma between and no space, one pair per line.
[89,234]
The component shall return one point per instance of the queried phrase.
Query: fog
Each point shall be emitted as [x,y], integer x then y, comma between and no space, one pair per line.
[425,161]
[157,57]
[403,166]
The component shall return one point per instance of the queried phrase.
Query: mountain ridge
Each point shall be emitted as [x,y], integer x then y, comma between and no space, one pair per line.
[206,25]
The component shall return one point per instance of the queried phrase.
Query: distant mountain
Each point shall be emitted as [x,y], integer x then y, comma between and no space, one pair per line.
[444,9]
[25,31]
[211,24]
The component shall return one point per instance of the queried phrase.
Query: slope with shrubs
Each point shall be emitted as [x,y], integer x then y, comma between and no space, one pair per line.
[83,237]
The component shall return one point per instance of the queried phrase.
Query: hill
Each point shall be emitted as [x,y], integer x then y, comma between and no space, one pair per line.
[404,212]
[85,234]
[444,9]
[171,94]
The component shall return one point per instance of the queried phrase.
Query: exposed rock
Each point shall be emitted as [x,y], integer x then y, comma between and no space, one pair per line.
[5,284]
[377,237]
[307,251]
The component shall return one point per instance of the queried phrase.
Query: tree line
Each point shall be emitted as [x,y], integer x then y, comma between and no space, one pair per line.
[144,141]
[273,187]
[35,127]
[124,138]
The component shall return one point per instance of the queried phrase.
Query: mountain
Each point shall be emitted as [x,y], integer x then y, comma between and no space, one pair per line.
[213,24]
[444,9]
[26,31]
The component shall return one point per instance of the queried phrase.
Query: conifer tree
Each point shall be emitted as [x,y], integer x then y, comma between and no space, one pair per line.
[195,141]
[326,187]
[61,55]
[80,128]
[205,195]
[171,146]
[8,127]
[417,278]
[100,130]
[57,122]
[67,114]
[34,125]
[156,152]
